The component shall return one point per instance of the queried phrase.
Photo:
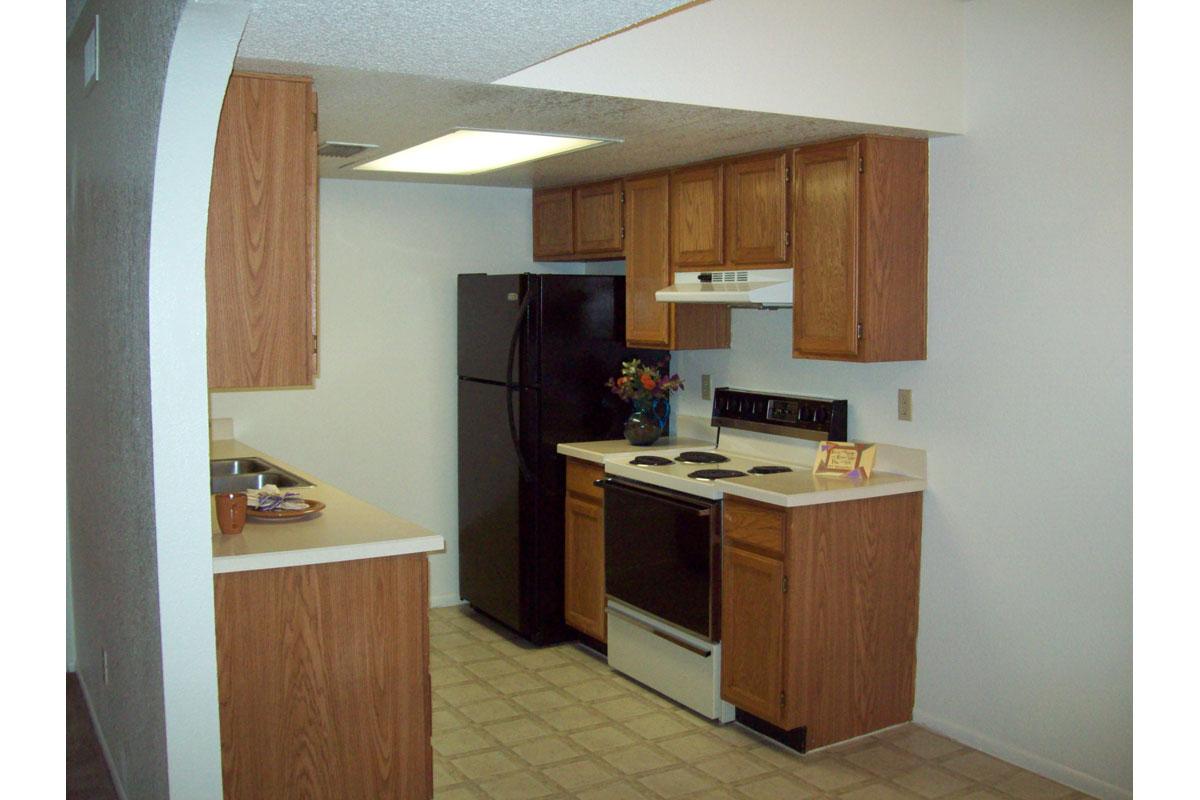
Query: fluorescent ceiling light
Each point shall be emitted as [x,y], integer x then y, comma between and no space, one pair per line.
[469,152]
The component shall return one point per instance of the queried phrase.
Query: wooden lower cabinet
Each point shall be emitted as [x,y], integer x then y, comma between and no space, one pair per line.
[583,592]
[821,636]
[323,680]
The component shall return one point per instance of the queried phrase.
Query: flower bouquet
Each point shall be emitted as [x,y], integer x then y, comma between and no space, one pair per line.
[649,390]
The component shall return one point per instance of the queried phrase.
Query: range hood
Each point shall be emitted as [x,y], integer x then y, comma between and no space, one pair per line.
[756,288]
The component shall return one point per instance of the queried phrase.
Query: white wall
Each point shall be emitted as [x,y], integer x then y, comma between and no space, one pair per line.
[1024,402]
[881,62]
[381,422]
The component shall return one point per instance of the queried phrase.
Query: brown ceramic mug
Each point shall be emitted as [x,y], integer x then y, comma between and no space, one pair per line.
[231,511]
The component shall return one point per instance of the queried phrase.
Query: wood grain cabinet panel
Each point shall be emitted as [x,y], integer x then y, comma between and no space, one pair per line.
[697,217]
[583,582]
[553,223]
[756,209]
[752,632]
[261,246]
[599,218]
[323,680]
[859,227]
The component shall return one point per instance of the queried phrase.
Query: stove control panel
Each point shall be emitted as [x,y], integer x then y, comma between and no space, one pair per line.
[815,418]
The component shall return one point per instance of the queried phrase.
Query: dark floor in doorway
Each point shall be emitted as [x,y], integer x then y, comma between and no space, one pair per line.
[87,773]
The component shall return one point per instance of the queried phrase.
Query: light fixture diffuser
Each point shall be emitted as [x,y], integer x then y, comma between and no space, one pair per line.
[468,151]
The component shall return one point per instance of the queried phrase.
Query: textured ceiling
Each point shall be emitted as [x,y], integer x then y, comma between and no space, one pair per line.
[471,40]
[396,74]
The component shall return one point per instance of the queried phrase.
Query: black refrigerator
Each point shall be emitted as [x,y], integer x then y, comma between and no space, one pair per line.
[534,352]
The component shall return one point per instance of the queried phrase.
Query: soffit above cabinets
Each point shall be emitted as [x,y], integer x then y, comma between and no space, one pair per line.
[399,74]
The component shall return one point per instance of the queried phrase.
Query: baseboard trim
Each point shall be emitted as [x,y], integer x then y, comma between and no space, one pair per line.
[108,758]
[1065,775]
[445,601]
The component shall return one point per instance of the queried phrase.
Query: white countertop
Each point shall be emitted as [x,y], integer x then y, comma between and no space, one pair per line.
[347,529]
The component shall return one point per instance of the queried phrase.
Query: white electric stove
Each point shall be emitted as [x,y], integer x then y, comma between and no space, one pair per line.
[662,533]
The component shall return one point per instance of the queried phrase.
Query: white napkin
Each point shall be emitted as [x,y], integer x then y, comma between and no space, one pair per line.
[269,497]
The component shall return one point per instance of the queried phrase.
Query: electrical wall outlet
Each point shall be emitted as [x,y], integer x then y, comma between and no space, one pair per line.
[706,387]
[904,405]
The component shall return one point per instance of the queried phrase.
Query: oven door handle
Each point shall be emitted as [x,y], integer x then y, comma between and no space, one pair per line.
[691,648]
[699,510]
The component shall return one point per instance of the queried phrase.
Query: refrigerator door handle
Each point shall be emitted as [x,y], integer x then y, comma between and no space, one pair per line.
[508,377]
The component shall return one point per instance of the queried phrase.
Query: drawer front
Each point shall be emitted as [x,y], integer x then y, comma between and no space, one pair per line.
[753,525]
[581,479]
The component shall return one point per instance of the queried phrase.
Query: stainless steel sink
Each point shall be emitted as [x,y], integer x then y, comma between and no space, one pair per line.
[240,474]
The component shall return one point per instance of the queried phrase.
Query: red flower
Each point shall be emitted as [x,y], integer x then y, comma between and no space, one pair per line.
[647,381]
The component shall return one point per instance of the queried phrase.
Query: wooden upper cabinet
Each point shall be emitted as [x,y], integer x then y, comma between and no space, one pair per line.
[599,221]
[697,217]
[859,227]
[261,249]
[648,322]
[553,223]
[647,261]
[756,209]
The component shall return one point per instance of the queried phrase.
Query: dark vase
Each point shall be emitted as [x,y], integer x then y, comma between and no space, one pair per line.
[645,425]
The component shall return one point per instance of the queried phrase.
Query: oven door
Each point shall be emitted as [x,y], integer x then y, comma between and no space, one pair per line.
[662,554]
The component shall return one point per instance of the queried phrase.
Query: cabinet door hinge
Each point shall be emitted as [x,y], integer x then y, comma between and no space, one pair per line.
[622,231]
[861,166]
[622,196]
[782,700]
[785,584]
[314,116]
[860,330]
[787,174]
[787,238]
[314,344]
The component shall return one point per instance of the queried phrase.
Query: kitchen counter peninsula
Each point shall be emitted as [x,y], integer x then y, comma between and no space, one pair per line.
[322,630]
[346,530]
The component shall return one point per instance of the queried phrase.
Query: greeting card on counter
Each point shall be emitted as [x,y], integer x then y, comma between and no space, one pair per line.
[844,459]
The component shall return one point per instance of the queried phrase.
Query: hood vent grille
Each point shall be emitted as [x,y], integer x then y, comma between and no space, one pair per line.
[730,277]
[343,149]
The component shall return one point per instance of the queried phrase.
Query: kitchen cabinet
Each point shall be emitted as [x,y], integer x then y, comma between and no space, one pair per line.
[859,227]
[697,217]
[819,615]
[756,209]
[584,594]
[580,223]
[648,322]
[553,223]
[598,218]
[261,280]
[323,680]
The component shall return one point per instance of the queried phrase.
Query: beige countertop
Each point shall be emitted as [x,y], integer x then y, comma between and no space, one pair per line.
[347,529]
[598,451]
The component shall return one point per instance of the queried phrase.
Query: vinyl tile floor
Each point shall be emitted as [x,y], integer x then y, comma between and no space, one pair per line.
[515,722]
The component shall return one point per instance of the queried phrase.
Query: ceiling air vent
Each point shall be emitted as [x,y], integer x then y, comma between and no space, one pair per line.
[343,149]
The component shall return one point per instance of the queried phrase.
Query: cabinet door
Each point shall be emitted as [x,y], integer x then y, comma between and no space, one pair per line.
[553,226]
[826,229]
[599,226]
[647,262]
[260,261]
[697,217]
[752,620]
[584,579]
[756,209]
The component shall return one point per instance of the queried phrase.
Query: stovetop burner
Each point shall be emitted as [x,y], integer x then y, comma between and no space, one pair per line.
[769,469]
[651,461]
[714,474]
[700,457]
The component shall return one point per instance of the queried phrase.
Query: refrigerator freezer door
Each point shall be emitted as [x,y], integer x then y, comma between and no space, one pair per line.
[487,314]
